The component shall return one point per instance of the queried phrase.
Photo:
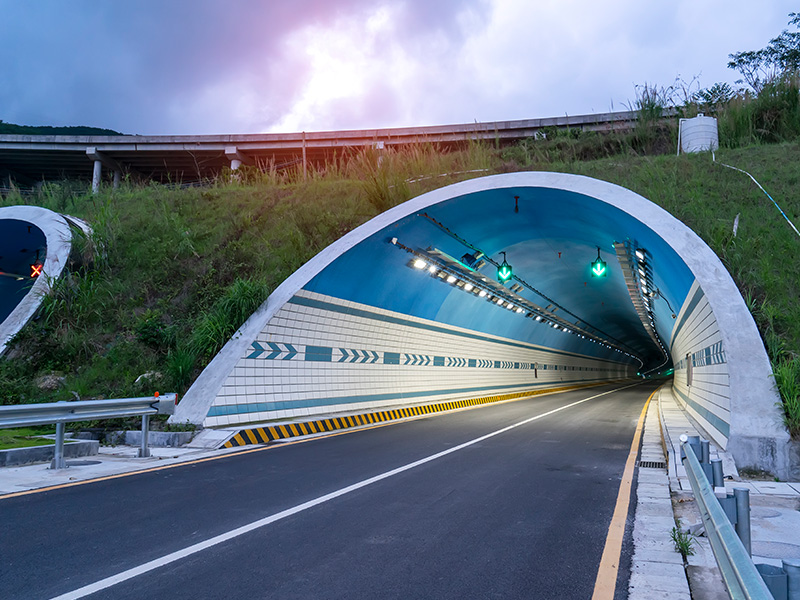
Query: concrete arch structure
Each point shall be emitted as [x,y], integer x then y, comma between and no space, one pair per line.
[361,327]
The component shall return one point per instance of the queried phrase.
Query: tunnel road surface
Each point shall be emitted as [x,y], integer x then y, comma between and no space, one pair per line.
[512,500]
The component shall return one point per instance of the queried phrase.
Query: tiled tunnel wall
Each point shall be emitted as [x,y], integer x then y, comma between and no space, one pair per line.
[702,383]
[320,354]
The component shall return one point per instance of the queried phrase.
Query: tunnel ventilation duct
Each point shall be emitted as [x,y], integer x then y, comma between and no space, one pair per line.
[638,272]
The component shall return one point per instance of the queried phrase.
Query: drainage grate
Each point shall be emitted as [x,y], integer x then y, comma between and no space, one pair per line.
[652,464]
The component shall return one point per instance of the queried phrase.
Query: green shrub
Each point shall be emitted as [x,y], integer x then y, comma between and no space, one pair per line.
[227,314]
[787,378]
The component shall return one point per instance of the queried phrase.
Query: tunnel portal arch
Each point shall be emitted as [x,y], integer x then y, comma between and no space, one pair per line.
[365,324]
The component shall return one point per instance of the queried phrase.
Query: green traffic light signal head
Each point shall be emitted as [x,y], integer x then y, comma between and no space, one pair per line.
[599,266]
[504,271]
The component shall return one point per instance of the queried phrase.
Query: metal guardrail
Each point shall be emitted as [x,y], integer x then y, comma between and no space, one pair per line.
[738,571]
[60,413]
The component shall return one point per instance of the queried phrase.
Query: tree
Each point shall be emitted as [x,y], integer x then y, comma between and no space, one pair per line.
[780,58]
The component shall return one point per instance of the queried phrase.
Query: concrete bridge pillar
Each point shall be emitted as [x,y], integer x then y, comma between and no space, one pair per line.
[237,159]
[100,160]
[97,173]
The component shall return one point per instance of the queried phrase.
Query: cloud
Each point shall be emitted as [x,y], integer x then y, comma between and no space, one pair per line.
[203,66]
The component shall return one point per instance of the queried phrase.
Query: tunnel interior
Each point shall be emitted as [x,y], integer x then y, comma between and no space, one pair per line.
[23,250]
[550,238]
[34,247]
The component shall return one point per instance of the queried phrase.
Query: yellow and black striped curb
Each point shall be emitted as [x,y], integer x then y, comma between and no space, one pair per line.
[266,434]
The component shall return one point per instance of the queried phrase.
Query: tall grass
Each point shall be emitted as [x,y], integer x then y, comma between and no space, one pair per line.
[787,378]
[771,116]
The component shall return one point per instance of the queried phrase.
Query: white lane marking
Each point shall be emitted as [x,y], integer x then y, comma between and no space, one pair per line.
[234,533]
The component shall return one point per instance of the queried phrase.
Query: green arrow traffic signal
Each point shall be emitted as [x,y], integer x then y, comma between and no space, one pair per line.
[599,266]
[504,271]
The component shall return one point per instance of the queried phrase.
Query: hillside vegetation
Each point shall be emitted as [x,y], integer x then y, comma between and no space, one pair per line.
[12,129]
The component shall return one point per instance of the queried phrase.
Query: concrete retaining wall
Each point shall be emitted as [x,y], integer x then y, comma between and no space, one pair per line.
[22,456]
[155,439]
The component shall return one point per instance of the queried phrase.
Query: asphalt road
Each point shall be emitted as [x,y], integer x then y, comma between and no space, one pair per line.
[520,514]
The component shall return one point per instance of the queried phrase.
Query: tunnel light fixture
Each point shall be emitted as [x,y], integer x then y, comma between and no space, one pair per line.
[472,260]
[419,263]
[637,270]
[451,279]
[468,287]
[433,269]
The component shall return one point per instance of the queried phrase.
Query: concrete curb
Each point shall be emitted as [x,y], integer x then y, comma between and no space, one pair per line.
[657,570]
[14,457]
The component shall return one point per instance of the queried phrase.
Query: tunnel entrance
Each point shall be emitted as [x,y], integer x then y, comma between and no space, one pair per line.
[23,249]
[412,308]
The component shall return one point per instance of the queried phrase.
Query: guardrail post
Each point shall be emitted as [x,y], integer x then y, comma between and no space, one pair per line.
[728,504]
[716,471]
[694,442]
[742,498]
[792,568]
[144,451]
[776,580]
[58,461]
[705,460]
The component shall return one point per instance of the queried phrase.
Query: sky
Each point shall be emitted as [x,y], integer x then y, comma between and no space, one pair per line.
[158,67]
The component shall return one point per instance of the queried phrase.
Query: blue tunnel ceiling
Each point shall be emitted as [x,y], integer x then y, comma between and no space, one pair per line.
[550,243]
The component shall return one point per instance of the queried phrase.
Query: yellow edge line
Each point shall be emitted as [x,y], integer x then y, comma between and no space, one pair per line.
[198,461]
[606,581]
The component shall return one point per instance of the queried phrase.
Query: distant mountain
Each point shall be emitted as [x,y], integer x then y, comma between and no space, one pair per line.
[48,130]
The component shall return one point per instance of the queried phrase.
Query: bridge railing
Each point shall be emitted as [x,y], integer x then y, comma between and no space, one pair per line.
[60,413]
[738,571]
